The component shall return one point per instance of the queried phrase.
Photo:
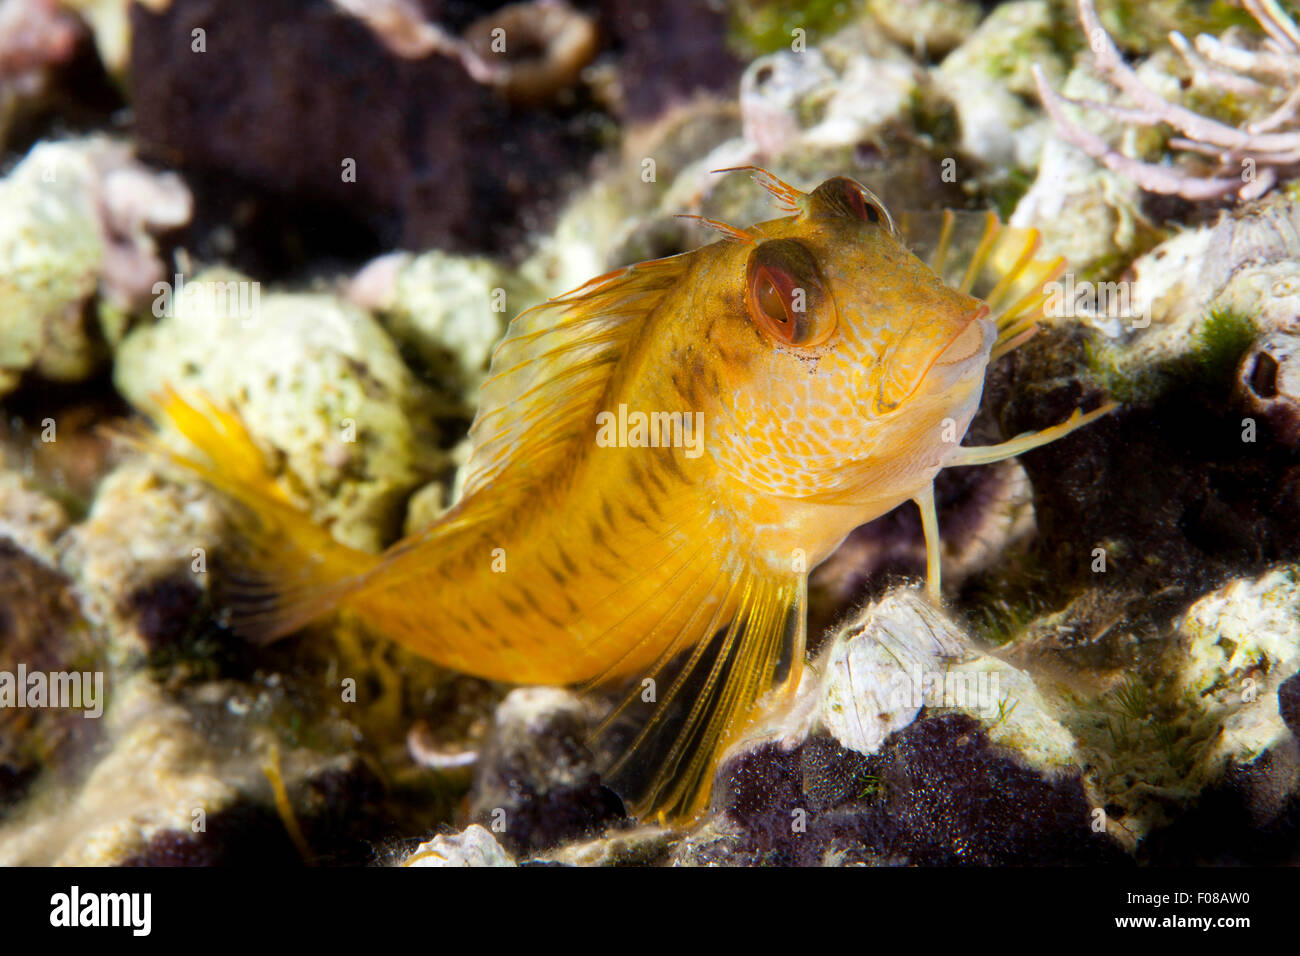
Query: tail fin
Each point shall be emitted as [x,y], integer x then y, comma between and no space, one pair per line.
[284,569]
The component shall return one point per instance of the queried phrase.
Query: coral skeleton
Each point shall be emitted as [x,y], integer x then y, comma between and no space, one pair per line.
[1249,159]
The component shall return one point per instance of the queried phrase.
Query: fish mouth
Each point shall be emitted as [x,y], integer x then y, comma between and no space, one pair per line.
[971,340]
[974,340]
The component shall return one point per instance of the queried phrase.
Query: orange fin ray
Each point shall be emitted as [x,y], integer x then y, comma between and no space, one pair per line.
[992,227]
[534,383]
[675,645]
[716,669]
[987,454]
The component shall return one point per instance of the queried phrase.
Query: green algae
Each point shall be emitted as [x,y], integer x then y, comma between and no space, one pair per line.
[765,26]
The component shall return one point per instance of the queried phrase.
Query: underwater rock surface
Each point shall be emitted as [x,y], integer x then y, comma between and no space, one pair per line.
[907,747]
[536,783]
[279,82]
[318,381]
[78,254]
[474,847]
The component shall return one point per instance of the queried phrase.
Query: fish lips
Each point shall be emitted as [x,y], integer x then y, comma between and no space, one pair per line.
[968,350]
[968,345]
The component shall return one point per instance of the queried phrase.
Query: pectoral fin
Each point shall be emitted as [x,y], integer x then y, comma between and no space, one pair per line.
[663,747]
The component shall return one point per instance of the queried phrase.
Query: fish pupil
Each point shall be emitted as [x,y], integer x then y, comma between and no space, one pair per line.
[770,300]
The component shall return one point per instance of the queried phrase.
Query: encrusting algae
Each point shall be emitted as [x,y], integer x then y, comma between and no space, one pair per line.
[659,459]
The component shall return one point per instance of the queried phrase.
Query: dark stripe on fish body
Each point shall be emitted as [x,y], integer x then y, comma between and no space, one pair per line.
[691,397]
[642,469]
[558,625]
[556,575]
[573,607]
[652,475]
[569,566]
[671,464]
[478,616]
[635,515]
[598,537]
[678,389]
[597,564]
[529,598]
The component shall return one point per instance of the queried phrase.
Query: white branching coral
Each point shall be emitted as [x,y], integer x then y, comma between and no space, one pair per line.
[1245,161]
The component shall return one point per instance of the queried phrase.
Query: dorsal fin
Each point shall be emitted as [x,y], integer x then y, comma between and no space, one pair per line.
[550,373]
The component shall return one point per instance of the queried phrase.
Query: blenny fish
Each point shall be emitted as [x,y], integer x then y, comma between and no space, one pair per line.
[659,459]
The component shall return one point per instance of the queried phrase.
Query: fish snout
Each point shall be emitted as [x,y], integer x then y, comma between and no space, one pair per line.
[975,337]
[937,353]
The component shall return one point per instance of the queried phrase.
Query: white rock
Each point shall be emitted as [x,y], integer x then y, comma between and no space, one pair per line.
[76,220]
[31,520]
[900,655]
[1241,642]
[451,310]
[315,380]
[475,846]
[986,77]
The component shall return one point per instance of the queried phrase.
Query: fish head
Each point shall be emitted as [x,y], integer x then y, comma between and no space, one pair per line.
[842,355]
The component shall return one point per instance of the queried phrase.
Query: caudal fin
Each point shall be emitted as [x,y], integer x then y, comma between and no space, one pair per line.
[283,569]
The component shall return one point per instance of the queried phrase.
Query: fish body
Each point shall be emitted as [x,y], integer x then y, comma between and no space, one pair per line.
[659,459]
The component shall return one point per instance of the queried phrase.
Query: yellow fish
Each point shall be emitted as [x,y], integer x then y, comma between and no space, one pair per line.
[660,458]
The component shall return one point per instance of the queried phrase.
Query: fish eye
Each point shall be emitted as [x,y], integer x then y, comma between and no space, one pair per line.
[848,197]
[785,294]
